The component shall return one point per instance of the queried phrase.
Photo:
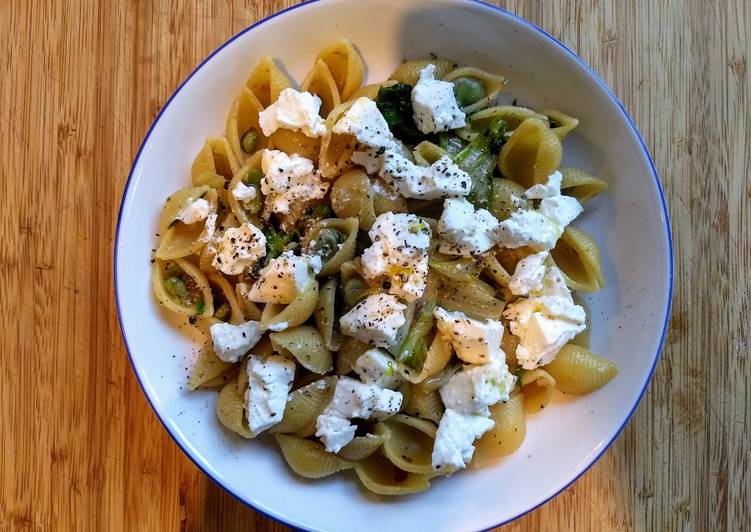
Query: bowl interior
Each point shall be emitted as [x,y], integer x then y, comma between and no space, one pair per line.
[629,223]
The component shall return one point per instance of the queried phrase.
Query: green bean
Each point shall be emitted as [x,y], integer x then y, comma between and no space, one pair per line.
[176,289]
[249,141]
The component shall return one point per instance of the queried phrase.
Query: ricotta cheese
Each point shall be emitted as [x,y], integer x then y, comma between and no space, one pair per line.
[399,252]
[282,279]
[475,388]
[464,231]
[376,319]
[243,192]
[231,342]
[297,111]
[454,440]
[376,366]
[288,180]
[194,211]
[434,105]
[474,341]
[238,249]
[269,383]
[528,274]
[440,179]
[365,122]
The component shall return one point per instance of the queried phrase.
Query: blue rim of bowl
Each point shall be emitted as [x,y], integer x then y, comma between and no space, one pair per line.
[614,99]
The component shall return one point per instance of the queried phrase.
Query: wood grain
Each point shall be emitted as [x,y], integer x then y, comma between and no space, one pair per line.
[81,83]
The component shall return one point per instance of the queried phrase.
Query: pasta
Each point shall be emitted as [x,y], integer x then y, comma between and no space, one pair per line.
[384,277]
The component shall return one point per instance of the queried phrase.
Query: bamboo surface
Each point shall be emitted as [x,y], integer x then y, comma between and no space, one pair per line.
[81,83]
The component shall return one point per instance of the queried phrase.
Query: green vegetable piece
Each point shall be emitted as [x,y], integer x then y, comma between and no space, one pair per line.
[450,143]
[254,177]
[415,346]
[176,289]
[478,159]
[276,242]
[468,90]
[223,312]
[327,243]
[249,142]
[201,306]
[395,104]
[322,212]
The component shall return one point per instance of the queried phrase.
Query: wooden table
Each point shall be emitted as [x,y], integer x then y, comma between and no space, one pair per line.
[80,84]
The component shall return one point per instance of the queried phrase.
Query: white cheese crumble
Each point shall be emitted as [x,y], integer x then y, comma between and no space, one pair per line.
[231,342]
[440,179]
[376,319]
[376,366]
[365,122]
[434,105]
[399,252]
[297,111]
[353,399]
[464,231]
[269,383]
[289,180]
[194,210]
[528,274]
[474,341]
[454,440]
[545,321]
[238,249]
[243,192]
[475,388]
[282,279]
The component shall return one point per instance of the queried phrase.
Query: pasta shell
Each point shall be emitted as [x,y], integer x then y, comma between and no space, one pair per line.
[244,213]
[506,198]
[249,308]
[230,409]
[320,82]
[578,371]
[336,149]
[297,142]
[304,405]
[580,184]
[380,476]
[561,124]
[228,293]
[494,270]
[469,298]
[492,84]
[371,91]
[511,114]
[426,153]
[229,375]
[531,154]
[578,257]
[505,437]
[325,316]
[294,314]
[243,117]
[347,228]
[408,443]
[424,403]
[305,344]
[409,71]
[175,203]
[206,367]
[187,270]
[437,357]
[352,197]
[243,379]
[388,201]
[537,386]
[361,447]
[267,81]
[346,66]
[309,459]
[349,352]
[217,157]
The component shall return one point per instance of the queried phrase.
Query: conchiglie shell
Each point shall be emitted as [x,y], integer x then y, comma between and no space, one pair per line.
[580,184]
[348,228]
[579,371]
[218,382]
[426,153]
[578,257]
[267,81]
[157,282]
[294,314]
[380,476]
[509,344]
[537,386]
[206,367]
[437,357]
[511,114]
[387,202]
[565,123]
[205,260]
[409,71]
[336,149]
[309,459]
[320,82]
[304,405]
[346,66]
[352,197]
[230,409]
[505,437]
[494,270]
[349,352]
[305,344]
[325,316]
[243,216]
[408,442]
[424,402]
[249,308]
[371,91]
[179,241]
[297,142]
[531,154]
[236,313]
[508,258]
[216,156]
[583,338]
[361,447]
[243,116]
[204,323]
[175,203]
[506,198]
[243,379]
[491,82]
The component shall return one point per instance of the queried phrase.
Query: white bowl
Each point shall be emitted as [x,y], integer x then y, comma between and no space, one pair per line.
[629,222]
